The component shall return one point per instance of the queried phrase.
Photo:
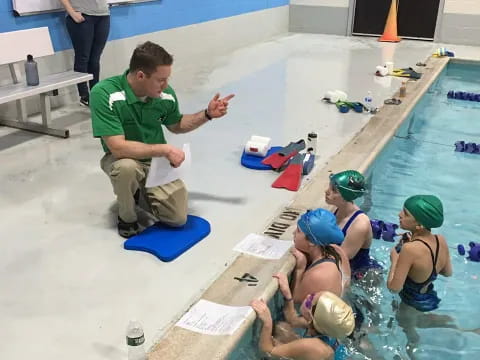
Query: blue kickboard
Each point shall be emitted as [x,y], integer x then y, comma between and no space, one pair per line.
[167,243]
[255,162]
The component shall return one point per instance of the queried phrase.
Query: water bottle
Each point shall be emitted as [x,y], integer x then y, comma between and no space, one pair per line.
[403,89]
[31,71]
[135,340]
[369,101]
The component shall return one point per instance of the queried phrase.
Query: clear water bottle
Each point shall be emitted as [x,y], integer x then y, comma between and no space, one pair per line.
[31,71]
[135,341]
[369,101]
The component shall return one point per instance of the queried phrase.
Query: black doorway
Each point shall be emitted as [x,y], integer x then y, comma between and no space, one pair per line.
[416,19]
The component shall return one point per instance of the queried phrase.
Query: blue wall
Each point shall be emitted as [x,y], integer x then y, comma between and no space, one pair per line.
[139,18]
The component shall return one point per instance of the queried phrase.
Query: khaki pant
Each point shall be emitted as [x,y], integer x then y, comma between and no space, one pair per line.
[168,203]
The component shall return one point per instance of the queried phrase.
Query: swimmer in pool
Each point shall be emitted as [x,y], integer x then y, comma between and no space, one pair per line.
[344,188]
[422,256]
[326,318]
[321,264]
[416,262]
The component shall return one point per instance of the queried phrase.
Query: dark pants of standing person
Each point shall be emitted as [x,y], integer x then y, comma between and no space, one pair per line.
[88,39]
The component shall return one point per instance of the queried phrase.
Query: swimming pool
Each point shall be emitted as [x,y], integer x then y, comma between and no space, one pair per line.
[421,159]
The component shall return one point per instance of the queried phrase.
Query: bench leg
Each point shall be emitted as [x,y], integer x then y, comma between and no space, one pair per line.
[34,127]
[46,109]
[21,110]
[46,118]
[16,74]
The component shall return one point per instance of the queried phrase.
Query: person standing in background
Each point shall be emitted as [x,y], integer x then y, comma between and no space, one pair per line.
[88,24]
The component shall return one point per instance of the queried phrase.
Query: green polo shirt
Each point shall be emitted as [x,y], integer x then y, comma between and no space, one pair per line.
[116,110]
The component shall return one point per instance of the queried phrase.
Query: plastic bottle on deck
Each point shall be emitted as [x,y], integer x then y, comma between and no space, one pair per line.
[369,101]
[135,341]
[403,89]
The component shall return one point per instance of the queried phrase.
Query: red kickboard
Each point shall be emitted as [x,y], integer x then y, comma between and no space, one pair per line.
[290,179]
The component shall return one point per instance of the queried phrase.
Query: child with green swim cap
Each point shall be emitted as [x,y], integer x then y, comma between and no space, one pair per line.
[415,264]
[423,255]
[345,187]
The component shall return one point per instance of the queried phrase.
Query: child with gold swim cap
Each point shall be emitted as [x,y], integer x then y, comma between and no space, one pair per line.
[326,318]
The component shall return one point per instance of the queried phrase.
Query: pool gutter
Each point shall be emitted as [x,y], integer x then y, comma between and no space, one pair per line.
[358,154]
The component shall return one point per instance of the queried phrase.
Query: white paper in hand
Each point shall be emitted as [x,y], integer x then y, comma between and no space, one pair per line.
[161,172]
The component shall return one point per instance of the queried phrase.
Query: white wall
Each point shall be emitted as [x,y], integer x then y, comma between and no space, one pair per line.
[460,23]
[336,3]
[471,7]
[190,45]
[319,16]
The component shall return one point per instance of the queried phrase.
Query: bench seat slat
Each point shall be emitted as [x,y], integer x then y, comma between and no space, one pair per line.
[47,83]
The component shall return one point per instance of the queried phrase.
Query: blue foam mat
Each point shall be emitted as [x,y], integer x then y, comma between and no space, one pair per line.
[167,243]
[255,162]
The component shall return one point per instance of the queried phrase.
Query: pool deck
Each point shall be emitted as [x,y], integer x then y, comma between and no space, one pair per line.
[69,288]
[357,154]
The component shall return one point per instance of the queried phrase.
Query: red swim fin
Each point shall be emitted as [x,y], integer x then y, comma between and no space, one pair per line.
[279,158]
[291,178]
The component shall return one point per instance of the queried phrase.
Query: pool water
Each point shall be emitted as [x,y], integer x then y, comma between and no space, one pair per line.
[420,159]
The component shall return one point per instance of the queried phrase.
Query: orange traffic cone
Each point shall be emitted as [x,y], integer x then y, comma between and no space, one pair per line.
[390,32]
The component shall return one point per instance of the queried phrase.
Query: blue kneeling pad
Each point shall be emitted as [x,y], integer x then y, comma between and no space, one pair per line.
[168,243]
[255,162]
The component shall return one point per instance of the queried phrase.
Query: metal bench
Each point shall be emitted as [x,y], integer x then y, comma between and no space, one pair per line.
[38,43]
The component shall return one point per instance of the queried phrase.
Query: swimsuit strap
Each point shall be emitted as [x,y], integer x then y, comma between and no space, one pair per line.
[350,221]
[434,257]
[333,343]
[436,254]
[320,261]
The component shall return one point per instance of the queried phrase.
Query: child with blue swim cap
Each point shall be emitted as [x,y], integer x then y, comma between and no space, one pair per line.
[320,262]
[321,272]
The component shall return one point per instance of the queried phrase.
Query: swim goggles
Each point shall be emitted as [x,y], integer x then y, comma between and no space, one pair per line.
[354,185]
